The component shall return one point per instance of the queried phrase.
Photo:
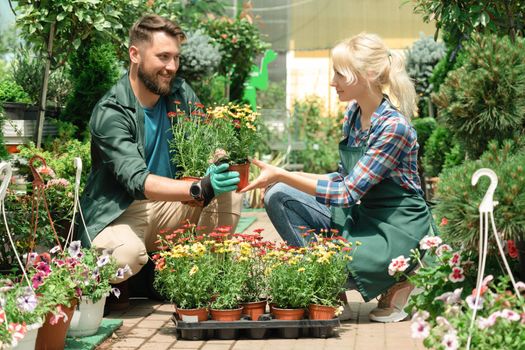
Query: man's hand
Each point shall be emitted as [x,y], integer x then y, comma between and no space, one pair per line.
[218,180]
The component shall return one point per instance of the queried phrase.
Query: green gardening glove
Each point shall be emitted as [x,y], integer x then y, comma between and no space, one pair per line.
[223,180]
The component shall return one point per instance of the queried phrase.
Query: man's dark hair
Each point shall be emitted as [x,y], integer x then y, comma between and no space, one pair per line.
[148,24]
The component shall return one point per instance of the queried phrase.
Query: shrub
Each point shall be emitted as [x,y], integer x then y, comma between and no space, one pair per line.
[200,56]
[240,42]
[420,61]
[458,200]
[438,148]
[10,91]
[318,132]
[93,70]
[424,128]
[27,71]
[484,99]
[3,151]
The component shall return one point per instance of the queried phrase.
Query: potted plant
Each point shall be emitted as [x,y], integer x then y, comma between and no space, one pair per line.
[499,320]
[327,273]
[194,141]
[21,315]
[185,272]
[457,207]
[231,256]
[255,291]
[101,268]
[57,279]
[290,290]
[239,136]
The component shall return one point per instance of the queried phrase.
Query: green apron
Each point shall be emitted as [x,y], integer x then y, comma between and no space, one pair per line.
[389,222]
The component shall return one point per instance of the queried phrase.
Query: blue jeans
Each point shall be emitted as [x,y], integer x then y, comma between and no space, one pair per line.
[289,209]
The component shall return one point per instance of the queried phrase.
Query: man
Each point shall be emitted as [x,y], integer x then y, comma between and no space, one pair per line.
[131,193]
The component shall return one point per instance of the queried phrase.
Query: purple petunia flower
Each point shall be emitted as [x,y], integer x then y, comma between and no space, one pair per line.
[27,302]
[74,249]
[116,292]
[103,260]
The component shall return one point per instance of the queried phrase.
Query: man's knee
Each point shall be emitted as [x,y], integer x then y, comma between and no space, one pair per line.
[133,256]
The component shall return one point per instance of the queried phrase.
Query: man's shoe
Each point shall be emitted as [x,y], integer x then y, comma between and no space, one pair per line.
[391,305]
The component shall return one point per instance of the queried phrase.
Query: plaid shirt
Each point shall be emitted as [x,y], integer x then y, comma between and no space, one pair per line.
[391,152]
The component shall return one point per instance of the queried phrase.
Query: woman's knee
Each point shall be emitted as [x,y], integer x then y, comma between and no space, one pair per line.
[276,194]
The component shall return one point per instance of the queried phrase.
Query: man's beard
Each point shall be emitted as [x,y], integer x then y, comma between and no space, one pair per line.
[151,82]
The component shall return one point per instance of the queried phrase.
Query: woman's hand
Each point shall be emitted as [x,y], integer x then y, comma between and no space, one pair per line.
[269,175]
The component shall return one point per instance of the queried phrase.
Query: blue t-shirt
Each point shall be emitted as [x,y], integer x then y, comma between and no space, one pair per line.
[158,135]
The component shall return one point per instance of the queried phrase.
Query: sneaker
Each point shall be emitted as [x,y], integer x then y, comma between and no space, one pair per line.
[346,314]
[391,305]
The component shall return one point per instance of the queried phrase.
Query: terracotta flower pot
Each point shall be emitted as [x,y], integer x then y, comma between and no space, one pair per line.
[288,314]
[226,315]
[254,309]
[54,336]
[320,312]
[244,173]
[192,315]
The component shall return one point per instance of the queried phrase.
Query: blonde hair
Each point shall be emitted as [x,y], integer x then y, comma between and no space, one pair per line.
[367,56]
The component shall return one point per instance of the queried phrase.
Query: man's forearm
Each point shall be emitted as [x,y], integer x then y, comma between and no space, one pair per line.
[165,189]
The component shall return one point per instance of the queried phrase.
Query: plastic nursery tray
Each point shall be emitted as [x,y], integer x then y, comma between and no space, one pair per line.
[265,327]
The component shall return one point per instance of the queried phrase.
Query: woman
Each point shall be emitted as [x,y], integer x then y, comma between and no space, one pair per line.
[375,197]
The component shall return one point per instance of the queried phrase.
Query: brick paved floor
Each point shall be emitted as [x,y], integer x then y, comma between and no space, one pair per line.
[147,326]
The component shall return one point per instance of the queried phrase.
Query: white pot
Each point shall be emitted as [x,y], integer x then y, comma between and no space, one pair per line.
[87,318]
[29,340]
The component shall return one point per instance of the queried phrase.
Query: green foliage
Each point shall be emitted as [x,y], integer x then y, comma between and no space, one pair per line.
[93,71]
[189,153]
[424,129]
[240,42]
[320,133]
[437,149]
[211,90]
[274,97]
[7,40]
[102,268]
[75,21]
[458,200]
[230,283]
[498,323]
[484,99]
[200,57]
[27,71]
[10,91]
[20,305]
[433,279]
[458,19]
[3,151]
[189,14]
[421,59]
[288,284]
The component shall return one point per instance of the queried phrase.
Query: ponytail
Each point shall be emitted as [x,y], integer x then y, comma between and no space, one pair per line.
[367,56]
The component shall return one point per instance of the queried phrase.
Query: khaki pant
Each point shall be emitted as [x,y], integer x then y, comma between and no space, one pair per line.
[132,235]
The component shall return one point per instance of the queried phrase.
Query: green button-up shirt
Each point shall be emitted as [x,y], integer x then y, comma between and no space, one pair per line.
[118,159]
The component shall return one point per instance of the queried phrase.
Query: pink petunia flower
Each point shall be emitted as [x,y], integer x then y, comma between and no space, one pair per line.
[450,298]
[420,329]
[456,275]
[57,315]
[450,341]
[471,302]
[398,264]
[17,331]
[509,314]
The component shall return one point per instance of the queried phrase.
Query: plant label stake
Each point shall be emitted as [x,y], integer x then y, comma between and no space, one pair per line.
[486,212]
